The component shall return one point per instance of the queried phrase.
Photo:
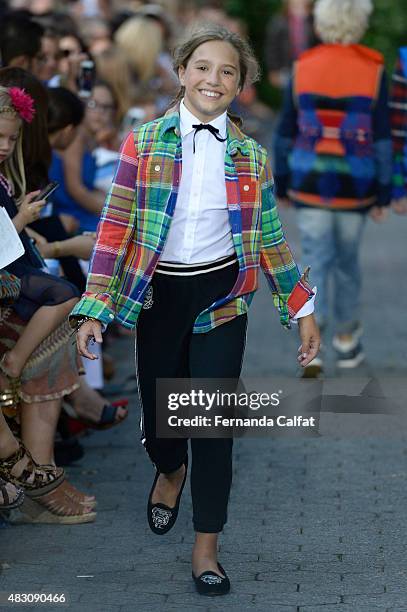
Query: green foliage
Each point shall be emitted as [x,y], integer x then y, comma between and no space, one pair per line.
[256,14]
[388,28]
[387,32]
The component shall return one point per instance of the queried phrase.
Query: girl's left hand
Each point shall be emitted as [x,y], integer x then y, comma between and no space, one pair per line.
[400,206]
[310,340]
[379,213]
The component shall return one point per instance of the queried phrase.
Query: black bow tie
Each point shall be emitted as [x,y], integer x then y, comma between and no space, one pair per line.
[207,126]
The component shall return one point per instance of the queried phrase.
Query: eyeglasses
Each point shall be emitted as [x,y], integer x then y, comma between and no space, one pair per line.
[105,108]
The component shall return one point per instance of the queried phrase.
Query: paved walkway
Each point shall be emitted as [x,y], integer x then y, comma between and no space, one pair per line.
[316,523]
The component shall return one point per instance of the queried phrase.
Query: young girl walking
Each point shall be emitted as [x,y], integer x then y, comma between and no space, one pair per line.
[178,254]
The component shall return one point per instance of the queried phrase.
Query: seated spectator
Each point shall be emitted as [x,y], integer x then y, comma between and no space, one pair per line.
[65,114]
[36,148]
[20,43]
[141,39]
[72,51]
[75,167]
[96,34]
[37,158]
[44,300]
[50,373]
[88,404]
[101,116]
[112,67]
[50,55]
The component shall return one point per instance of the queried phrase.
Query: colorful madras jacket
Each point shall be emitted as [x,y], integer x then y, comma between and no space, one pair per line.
[338,155]
[398,106]
[137,214]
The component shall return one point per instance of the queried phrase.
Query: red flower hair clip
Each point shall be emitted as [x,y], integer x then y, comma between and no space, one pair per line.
[22,103]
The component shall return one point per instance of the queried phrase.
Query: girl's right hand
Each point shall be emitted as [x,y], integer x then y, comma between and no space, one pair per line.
[30,209]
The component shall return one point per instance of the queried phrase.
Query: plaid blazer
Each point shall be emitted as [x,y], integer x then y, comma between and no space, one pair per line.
[137,214]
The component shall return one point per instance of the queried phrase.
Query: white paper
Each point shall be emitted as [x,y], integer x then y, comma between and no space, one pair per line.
[11,247]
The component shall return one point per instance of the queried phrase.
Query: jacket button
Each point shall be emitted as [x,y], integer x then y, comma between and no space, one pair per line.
[246,187]
[157,168]
[111,316]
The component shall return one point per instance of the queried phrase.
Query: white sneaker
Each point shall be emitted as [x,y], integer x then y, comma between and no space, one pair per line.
[344,346]
[349,352]
[314,369]
[351,359]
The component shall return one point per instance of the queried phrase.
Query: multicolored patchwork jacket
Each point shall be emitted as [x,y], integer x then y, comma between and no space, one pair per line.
[137,215]
[338,154]
[398,106]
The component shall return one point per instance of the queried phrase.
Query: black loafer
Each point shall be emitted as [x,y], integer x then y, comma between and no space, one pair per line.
[209,583]
[161,518]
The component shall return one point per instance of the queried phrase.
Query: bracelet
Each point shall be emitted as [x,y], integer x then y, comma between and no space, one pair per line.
[80,321]
[57,250]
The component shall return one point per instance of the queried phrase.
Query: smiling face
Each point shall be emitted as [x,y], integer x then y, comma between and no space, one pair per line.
[211,79]
[9,131]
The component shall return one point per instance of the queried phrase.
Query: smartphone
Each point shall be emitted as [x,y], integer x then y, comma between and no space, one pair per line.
[46,192]
[86,78]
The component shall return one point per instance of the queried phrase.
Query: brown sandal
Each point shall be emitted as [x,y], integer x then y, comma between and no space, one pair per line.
[11,499]
[78,496]
[35,479]
[55,507]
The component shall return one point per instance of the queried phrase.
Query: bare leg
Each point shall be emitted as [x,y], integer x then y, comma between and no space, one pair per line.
[9,446]
[205,553]
[38,426]
[41,324]
[8,443]
[88,403]
[167,487]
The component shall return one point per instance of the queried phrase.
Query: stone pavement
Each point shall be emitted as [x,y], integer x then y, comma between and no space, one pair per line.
[315,523]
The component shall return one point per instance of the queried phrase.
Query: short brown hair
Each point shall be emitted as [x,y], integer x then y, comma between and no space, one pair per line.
[248,64]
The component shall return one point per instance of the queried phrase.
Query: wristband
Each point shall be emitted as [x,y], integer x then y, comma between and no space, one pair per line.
[80,321]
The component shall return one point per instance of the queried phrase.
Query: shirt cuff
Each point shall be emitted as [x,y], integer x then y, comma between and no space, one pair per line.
[307,309]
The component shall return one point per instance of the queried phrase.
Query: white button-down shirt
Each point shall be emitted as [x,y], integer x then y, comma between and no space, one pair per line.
[200,229]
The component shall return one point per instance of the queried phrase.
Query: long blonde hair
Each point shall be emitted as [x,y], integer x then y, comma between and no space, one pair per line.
[13,167]
[141,39]
[112,67]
